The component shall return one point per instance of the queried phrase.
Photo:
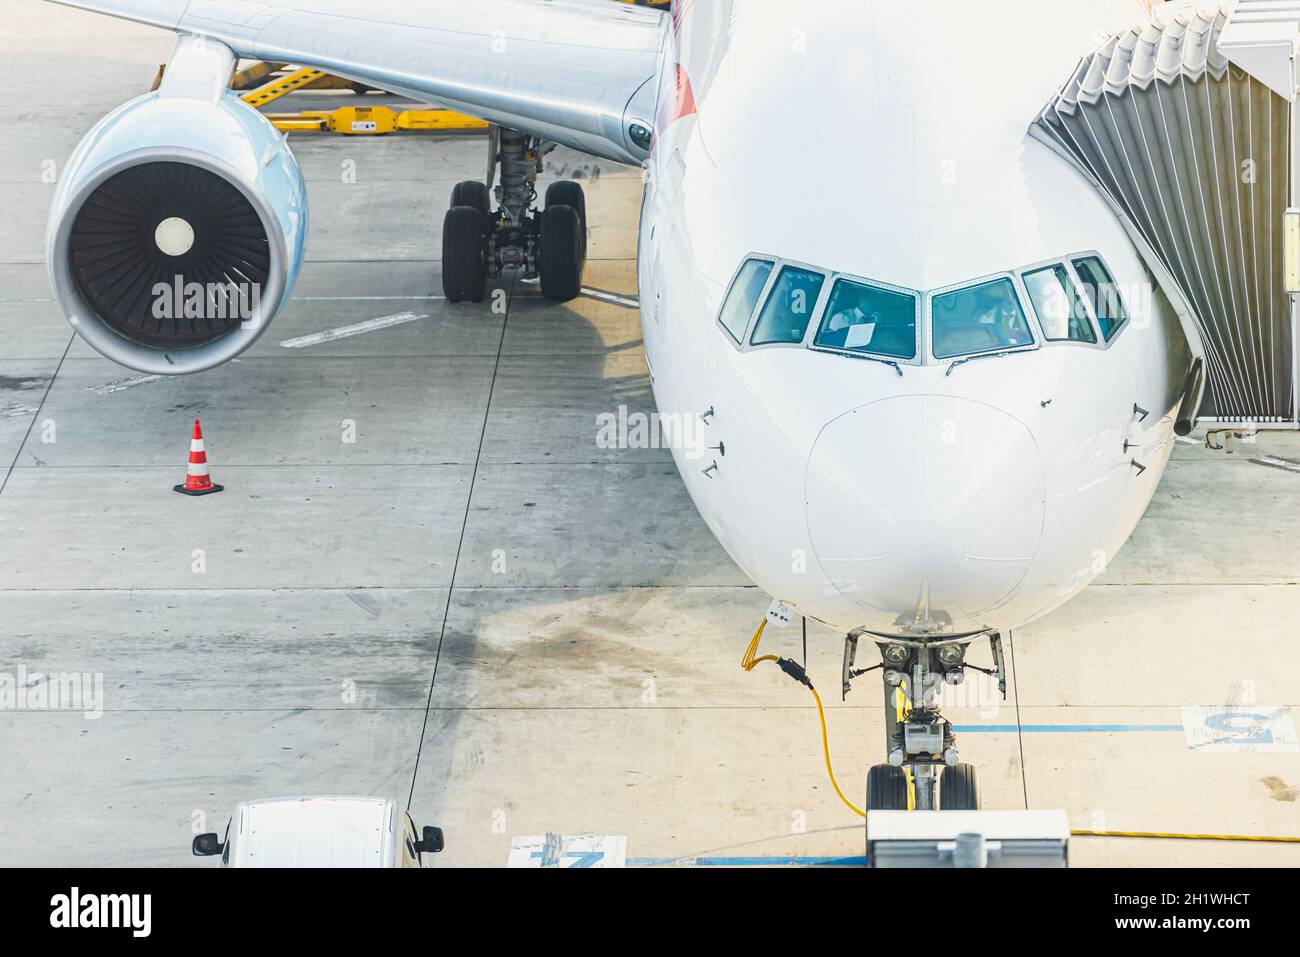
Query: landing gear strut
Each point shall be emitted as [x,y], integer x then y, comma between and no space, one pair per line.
[924,770]
[480,243]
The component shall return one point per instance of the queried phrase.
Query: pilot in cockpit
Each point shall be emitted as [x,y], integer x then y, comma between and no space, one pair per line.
[998,311]
[853,324]
[990,317]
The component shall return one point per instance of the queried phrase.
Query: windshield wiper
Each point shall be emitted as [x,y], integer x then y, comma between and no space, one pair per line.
[858,355]
[983,355]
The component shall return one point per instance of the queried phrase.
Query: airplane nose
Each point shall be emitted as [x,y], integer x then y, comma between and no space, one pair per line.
[925,510]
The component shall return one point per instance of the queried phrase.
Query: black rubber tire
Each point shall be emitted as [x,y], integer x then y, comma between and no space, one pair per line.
[472,193]
[568,193]
[464,274]
[959,788]
[886,788]
[562,251]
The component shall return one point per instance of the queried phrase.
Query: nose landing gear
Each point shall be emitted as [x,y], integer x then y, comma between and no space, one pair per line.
[480,243]
[924,770]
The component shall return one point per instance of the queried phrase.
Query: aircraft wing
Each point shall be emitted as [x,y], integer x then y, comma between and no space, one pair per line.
[578,72]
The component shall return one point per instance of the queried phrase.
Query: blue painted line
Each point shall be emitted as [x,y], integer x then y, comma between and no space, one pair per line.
[1049,728]
[748,861]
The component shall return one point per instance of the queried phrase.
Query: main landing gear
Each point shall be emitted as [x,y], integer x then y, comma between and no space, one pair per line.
[479,243]
[924,771]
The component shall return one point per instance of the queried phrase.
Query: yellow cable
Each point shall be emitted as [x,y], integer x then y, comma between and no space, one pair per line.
[1189,837]
[826,750]
[749,661]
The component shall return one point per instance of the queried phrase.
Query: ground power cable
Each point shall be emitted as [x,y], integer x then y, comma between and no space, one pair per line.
[752,659]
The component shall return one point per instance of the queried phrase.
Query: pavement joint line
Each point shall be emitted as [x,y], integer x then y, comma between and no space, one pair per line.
[1020,736]
[217,589]
[460,542]
[559,586]
[373,356]
[448,709]
[375,465]
[37,413]
[866,708]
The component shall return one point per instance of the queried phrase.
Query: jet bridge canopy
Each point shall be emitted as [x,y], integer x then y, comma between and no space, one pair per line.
[1194,154]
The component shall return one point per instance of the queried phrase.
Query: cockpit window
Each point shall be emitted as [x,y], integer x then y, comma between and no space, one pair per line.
[1061,312]
[983,318]
[743,296]
[1101,289]
[861,318]
[789,307]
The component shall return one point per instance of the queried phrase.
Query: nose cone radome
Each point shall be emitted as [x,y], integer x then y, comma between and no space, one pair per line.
[926,510]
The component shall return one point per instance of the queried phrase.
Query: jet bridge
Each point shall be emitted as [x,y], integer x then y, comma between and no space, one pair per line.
[1186,127]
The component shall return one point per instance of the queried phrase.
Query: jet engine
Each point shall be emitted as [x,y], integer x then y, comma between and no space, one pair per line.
[177,229]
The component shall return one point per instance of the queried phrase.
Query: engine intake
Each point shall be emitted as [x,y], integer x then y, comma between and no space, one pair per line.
[149,232]
[177,229]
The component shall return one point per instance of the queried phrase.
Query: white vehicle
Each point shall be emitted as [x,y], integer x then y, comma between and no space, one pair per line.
[940,304]
[320,832]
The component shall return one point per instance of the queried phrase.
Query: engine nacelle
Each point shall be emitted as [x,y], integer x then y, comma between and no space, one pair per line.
[177,230]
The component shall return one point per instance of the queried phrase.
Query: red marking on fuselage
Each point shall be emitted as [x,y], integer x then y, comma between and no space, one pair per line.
[681,105]
[684,104]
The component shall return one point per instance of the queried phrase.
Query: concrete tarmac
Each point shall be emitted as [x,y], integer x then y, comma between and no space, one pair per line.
[426,580]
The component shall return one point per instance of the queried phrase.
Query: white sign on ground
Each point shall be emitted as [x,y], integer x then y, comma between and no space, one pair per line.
[1239,728]
[556,850]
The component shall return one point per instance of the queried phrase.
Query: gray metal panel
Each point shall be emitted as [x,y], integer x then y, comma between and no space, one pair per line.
[1194,154]
[565,70]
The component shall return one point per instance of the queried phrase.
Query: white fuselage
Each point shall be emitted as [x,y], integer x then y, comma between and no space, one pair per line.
[888,141]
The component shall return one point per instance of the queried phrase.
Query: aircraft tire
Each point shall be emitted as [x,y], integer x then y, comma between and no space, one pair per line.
[886,788]
[464,274]
[471,192]
[561,253]
[959,788]
[568,193]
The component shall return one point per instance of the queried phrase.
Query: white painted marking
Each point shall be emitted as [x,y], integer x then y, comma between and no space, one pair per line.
[356,329]
[620,300]
[121,385]
[16,411]
[1277,463]
[367,298]
[555,850]
[1239,728]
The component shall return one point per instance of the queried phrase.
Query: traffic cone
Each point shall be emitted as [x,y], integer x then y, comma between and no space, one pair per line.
[197,481]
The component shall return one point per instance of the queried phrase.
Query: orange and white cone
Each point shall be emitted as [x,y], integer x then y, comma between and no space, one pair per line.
[197,481]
